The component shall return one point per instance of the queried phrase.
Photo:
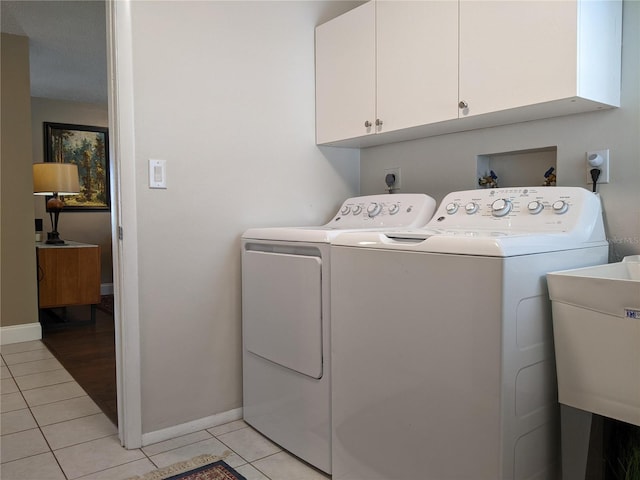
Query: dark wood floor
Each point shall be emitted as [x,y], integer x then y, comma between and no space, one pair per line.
[86,350]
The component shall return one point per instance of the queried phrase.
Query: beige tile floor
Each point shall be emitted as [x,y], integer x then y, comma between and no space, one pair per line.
[51,429]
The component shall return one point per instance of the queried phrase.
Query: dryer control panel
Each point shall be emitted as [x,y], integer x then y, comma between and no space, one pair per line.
[525,209]
[380,211]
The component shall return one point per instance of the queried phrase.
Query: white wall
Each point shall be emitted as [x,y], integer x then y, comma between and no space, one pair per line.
[86,227]
[224,92]
[447,163]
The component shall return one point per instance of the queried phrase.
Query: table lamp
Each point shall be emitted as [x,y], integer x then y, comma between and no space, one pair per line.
[55,179]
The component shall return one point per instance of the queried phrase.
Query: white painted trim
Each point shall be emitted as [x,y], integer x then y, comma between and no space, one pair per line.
[125,250]
[20,333]
[190,427]
[106,289]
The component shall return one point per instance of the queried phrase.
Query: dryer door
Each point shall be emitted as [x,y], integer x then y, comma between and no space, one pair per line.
[282,309]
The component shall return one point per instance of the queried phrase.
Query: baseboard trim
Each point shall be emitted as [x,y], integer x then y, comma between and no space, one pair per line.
[106,289]
[20,333]
[190,427]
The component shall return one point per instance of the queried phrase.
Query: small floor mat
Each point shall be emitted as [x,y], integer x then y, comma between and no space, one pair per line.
[204,467]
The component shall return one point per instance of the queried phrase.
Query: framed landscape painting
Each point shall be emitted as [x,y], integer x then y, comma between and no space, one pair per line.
[88,148]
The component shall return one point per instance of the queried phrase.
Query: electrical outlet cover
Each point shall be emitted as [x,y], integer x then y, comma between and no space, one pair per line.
[604,168]
[395,171]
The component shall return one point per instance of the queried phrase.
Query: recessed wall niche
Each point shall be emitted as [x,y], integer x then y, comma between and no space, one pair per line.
[522,168]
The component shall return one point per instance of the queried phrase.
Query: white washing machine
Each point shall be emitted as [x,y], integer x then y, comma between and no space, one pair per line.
[286,320]
[442,346]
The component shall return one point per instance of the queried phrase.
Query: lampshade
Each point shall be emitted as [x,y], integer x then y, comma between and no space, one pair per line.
[50,178]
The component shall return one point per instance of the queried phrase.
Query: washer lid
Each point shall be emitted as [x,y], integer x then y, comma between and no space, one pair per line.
[491,244]
[371,212]
[321,234]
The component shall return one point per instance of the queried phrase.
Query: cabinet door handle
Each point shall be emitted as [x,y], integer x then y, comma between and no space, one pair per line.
[378,122]
[462,104]
[367,123]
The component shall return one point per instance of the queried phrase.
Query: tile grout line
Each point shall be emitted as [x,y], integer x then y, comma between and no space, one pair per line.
[141,450]
[115,466]
[38,426]
[258,468]
[42,433]
[37,373]
[248,462]
[81,443]
[4,354]
[43,386]
[53,453]
[28,361]
[189,444]
[222,442]
[68,420]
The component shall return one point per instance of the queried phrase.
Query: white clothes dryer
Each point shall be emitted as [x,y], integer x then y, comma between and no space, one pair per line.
[286,320]
[442,347]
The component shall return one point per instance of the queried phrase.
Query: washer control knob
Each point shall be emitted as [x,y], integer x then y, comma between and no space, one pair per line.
[501,207]
[451,208]
[535,207]
[560,207]
[394,208]
[471,208]
[357,210]
[346,209]
[374,209]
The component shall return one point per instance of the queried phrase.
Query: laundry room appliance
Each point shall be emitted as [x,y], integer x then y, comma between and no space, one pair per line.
[442,345]
[286,320]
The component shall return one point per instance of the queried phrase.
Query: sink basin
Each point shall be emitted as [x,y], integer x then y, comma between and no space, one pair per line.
[596,329]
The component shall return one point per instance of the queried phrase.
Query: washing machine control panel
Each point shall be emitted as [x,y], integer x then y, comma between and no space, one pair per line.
[535,209]
[381,211]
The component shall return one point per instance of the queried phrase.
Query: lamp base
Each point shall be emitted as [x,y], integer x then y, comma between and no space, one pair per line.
[53,238]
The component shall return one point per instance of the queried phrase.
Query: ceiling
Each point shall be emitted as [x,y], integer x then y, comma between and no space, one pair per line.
[67,46]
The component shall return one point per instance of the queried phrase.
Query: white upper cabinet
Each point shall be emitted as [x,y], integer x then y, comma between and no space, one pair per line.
[377,69]
[520,53]
[345,75]
[394,70]
[416,63]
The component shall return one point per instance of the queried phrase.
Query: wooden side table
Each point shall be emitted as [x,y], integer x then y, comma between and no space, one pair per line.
[68,275]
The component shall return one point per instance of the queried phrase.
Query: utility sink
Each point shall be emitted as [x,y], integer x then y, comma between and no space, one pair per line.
[596,329]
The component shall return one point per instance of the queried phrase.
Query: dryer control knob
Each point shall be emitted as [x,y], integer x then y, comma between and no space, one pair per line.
[471,208]
[357,210]
[560,207]
[451,208]
[346,209]
[535,207]
[374,209]
[501,207]
[394,208]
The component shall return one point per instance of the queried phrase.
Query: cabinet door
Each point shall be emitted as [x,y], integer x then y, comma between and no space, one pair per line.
[516,53]
[417,62]
[345,75]
[68,276]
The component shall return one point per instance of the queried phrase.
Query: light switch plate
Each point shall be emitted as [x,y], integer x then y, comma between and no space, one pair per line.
[157,174]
